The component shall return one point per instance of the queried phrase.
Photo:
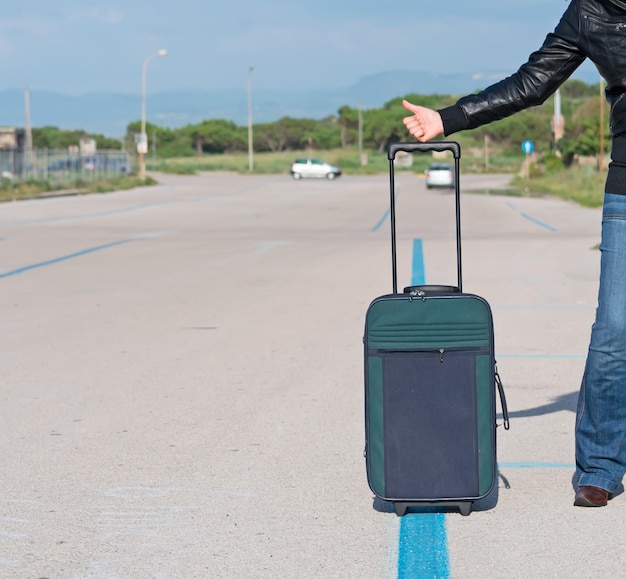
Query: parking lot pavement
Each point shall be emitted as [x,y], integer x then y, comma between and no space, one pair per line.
[182,381]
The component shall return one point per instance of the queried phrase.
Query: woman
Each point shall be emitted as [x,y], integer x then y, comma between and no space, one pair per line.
[594,29]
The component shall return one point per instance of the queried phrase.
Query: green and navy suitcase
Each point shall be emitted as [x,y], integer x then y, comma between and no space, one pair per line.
[430,383]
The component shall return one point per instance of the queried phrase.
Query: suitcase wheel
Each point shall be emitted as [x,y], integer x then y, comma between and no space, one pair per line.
[465,508]
[401,508]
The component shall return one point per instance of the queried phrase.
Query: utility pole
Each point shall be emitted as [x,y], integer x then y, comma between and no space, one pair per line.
[142,142]
[154,146]
[557,108]
[362,155]
[250,145]
[558,122]
[28,145]
[360,134]
[486,152]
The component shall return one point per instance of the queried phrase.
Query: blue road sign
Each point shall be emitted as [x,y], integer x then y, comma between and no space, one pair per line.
[528,146]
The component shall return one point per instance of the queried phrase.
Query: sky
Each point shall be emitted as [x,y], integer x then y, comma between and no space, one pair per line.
[82,46]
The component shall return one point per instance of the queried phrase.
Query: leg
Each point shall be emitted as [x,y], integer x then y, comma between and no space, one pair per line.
[601,416]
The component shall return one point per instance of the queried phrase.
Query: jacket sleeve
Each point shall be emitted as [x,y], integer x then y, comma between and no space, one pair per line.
[546,69]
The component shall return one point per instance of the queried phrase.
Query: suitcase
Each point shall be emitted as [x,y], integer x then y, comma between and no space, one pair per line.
[430,385]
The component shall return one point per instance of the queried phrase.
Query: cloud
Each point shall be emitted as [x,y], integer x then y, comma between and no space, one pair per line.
[15,31]
[25,26]
[7,48]
[105,16]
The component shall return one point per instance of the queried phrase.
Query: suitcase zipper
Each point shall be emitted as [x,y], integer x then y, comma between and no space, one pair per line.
[417,294]
[429,351]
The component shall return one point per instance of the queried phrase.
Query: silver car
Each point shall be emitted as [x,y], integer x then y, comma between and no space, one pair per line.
[439,175]
[315,168]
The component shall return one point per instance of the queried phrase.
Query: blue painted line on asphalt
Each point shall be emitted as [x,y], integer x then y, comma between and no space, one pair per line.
[423,546]
[423,542]
[128,209]
[523,308]
[532,219]
[65,257]
[544,356]
[534,465]
[535,280]
[384,217]
[381,220]
[418,275]
[537,222]
[86,216]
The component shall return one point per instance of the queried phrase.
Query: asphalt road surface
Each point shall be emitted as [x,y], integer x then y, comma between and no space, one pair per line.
[182,381]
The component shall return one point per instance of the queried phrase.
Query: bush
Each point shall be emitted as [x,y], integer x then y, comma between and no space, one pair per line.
[585,187]
[552,163]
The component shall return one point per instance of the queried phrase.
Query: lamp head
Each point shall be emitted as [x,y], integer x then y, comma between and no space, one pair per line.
[162,52]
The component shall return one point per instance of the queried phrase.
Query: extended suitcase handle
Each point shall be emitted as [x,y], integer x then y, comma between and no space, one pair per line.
[425,147]
[436,146]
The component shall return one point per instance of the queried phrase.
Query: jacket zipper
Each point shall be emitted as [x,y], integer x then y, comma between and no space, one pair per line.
[617,25]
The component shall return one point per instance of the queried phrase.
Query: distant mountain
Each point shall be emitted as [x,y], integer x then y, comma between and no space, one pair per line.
[109,113]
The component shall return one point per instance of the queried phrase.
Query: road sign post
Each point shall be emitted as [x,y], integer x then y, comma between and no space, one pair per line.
[528,147]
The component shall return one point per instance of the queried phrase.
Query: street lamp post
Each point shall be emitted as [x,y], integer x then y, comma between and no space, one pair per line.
[142,141]
[250,148]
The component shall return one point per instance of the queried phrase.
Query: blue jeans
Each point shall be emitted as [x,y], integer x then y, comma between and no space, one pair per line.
[601,416]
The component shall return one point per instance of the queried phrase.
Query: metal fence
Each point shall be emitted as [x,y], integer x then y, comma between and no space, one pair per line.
[62,167]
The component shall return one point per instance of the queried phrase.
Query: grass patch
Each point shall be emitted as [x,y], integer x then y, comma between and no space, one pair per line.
[280,163]
[178,169]
[116,184]
[11,191]
[512,192]
[347,158]
[583,185]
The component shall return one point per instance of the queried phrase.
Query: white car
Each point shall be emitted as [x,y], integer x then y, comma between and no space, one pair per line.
[439,175]
[315,168]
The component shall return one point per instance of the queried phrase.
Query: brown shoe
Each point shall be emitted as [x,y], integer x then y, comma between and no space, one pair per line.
[588,496]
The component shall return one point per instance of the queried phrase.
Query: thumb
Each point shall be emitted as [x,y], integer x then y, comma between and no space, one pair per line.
[409,106]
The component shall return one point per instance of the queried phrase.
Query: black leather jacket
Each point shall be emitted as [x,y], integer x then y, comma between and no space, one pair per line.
[594,29]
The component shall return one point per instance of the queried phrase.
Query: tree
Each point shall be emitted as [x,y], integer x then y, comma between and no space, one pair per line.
[55,138]
[577,89]
[216,136]
[326,134]
[583,138]
[348,122]
[383,126]
[582,133]
[169,142]
[103,142]
[284,134]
